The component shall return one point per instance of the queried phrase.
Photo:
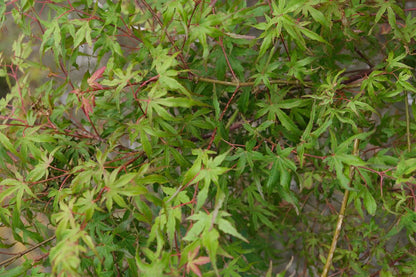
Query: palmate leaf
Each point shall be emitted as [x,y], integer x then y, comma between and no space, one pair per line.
[116,188]
[279,182]
[225,226]
[283,6]
[275,112]
[210,236]
[65,256]
[210,241]
[408,221]
[193,172]
[405,168]
[209,173]
[337,164]
[313,35]
[16,188]
[5,142]
[64,219]
[83,32]
[87,204]
[38,172]
[317,15]
[203,221]
[287,122]
[52,39]
[162,61]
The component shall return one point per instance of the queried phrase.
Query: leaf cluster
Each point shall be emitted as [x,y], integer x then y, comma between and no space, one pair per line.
[208,138]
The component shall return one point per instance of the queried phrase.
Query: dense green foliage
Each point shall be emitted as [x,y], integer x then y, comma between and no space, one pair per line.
[209,138]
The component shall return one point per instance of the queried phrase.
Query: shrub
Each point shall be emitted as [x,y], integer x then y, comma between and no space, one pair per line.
[215,138]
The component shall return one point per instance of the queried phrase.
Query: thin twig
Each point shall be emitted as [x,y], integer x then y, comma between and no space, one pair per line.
[284,45]
[220,42]
[364,57]
[341,216]
[20,254]
[250,84]
[406,104]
